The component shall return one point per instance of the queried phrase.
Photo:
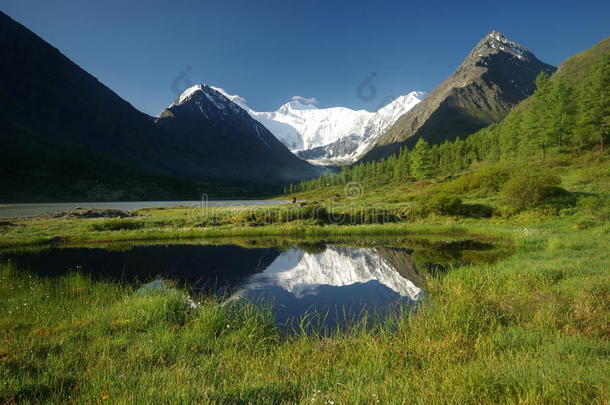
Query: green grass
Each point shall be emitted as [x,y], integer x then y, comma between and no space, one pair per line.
[531,329]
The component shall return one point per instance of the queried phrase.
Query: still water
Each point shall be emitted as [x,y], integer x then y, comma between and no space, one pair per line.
[28,210]
[332,285]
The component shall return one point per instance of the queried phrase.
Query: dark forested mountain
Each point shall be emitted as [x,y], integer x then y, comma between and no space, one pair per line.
[233,144]
[64,135]
[494,77]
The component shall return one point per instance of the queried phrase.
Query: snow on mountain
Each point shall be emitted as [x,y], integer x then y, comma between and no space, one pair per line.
[237,146]
[217,98]
[333,135]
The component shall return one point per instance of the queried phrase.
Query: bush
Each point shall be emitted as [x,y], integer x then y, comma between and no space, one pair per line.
[487,180]
[478,210]
[314,211]
[528,188]
[446,204]
[116,225]
[597,208]
[491,178]
[415,210]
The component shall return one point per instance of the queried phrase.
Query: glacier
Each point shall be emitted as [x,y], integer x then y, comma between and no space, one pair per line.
[327,136]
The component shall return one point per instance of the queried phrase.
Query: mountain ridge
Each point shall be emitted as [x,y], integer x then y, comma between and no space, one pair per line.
[64,135]
[494,77]
[227,136]
[328,136]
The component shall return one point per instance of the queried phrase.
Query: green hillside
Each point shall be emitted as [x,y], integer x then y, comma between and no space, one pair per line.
[577,67]
[567,116]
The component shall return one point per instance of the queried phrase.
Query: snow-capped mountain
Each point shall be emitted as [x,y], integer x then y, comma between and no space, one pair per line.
[334,135]
[331,288]
[302,273]
[234,145]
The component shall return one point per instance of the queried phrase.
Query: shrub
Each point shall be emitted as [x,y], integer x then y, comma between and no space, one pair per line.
[314,211]
[116,225]
[487,180]
[491,178]
[596,207]
[446,204]
[478,210]
[415,210]
[262,217]
[528,188]
[559,198]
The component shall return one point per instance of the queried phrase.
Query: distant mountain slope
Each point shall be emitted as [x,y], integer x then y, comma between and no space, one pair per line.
[46,96]
[559,111]
[576,67]
[332,136]
[64,135]
[233,144]
[495,76]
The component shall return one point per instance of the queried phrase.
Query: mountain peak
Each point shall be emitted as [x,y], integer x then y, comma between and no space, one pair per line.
[498,36]
[299,103]
[495,76]
[496,42]
[239,100]
[188,93]
[214,97]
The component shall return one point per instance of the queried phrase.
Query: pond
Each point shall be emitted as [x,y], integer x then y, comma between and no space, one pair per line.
[332,284]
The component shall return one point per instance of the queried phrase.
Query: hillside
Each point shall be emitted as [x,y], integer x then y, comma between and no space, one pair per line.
[66,136]
[565,117]
[576,67]
[494,77]
[231,143]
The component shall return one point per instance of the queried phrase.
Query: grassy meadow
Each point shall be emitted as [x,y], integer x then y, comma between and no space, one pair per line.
[533,328]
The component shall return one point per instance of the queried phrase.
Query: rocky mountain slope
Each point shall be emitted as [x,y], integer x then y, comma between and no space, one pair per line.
[328,136]
[233,144]
[494,77]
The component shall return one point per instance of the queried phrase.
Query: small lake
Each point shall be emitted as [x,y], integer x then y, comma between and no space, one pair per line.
[28,210]
[332,284]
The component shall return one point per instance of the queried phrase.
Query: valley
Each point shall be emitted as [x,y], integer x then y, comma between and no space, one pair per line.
[450,247]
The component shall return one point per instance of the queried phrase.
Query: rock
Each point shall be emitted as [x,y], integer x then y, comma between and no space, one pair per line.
[153,287]
[89,213]
[57,240]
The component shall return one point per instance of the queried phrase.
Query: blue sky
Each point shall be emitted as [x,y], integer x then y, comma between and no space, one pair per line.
[269,51]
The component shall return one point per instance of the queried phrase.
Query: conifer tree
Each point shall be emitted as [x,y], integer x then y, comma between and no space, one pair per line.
[539,116]
[595,102]
[562,106]
[421,160]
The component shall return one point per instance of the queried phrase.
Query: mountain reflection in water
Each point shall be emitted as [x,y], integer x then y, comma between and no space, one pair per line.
[334,287]
[330,285]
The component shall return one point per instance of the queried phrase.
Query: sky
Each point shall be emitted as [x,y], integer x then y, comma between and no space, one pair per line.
[356,54]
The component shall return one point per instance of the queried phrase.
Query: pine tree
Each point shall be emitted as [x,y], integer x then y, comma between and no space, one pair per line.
[538,119]
[421,160]
[562,106]
[595,102]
